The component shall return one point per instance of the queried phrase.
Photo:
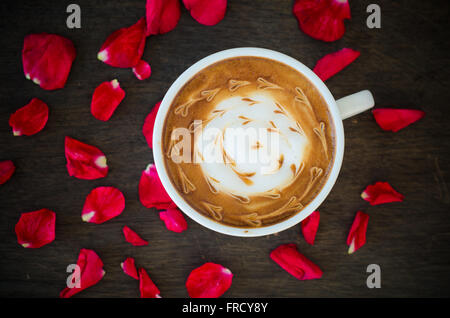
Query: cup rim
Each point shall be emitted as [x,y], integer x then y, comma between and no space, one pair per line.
[198,216]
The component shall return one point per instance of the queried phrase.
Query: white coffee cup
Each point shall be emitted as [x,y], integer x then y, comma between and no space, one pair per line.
[341,109]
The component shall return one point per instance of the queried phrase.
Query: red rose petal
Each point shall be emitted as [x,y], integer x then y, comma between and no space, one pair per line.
[103,204]
[147,288]
[357,236]
[30,119]
[151,190]
[142,70]
[174,219]
[207,12]
[107,96]
[149,123]
[209,281]
[7,169]
[36,229]
[47,59]
[396,119]
[322,19]
[129,267]
[296,264]
[162,16]
[132,237]
[91,270]
[84,161]
[310,225]
[381,192]
[333,63]
[124,47]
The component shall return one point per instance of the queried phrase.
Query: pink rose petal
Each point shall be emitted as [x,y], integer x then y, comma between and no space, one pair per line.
[207,12]
[36,229]
[396,119]
[149,123]
[124,47]
[103,204]
[162,16]
[107,96]
[173,219]
[209,281]
[30,119]
[132,237]
[7,169]
[296,264]
[47,59]
[129,267]
[147,288]
[142,70]
[322,19]
[84,161]
[151,190]
[309,226]
[333,63]
[381,192]
[91,270]
[357,235]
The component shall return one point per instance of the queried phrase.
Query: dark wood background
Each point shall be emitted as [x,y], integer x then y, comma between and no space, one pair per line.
[404,64]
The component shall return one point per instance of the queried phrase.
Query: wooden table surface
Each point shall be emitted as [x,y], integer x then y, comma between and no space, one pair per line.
[405,64]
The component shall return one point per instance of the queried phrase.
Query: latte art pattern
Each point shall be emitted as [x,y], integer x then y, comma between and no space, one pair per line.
[253,149]
[234,84]
[207,95]
[249,152]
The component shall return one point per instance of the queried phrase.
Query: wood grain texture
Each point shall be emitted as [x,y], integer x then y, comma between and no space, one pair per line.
[404,64]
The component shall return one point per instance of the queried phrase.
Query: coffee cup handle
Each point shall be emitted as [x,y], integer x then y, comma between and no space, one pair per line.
[354,104]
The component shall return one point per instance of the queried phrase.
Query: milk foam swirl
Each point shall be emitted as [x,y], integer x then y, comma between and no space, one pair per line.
[250,145]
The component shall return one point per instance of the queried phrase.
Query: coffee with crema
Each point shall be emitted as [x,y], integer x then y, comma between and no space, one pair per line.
[248,141]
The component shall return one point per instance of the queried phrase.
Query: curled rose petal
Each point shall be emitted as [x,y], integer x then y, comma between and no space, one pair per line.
[142,70]
[209,281]
[207,12]
[149,123]
[129,267]
[381,192]
[296,264]
[147,288]
[124,47]
[103,204]
[91,270]
[396,119]
[333,63]
[30,119]
[151,190]
[310,226]
[322,19]
[357,235]
[36,229]
[107,96]
[162,16]
[174,219]
[84,161]
[47,59]
[132,237]
[7,169]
